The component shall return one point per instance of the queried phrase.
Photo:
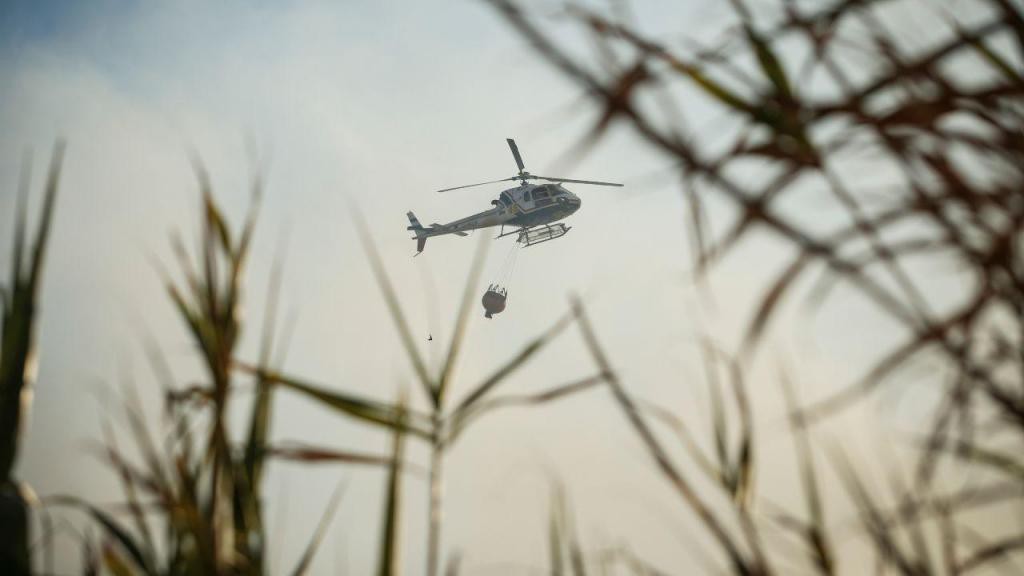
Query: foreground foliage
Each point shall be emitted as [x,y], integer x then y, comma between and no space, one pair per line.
[938,124]
[954,153]
[19,302]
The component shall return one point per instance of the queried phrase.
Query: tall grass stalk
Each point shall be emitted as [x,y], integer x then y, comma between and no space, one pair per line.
[19,308]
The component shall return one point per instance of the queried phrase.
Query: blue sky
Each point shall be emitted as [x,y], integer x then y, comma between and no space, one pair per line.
[24,21]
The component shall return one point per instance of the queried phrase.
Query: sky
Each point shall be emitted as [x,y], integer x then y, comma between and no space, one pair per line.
[376,105]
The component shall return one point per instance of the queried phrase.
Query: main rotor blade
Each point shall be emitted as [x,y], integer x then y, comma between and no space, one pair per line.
[515,152]
[594,182]
[480,184]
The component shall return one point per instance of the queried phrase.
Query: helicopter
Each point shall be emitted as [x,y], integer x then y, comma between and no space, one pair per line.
[529,209]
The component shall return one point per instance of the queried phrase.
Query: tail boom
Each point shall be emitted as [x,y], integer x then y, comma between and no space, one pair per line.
[435,229]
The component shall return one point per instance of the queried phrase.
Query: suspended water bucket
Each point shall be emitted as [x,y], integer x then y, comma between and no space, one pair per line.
[494,300]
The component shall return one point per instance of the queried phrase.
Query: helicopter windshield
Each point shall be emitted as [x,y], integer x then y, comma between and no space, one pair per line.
[505,199]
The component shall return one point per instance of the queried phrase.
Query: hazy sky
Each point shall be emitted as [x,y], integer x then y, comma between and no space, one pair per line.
[379,103]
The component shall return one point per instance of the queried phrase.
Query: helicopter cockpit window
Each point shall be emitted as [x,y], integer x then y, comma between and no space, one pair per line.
[505,199]
[541,192]
[526,196]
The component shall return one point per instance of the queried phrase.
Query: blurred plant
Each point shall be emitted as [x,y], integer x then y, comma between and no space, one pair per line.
[945,118]
[441,426]
[19,303]
[204,487]
[956,148]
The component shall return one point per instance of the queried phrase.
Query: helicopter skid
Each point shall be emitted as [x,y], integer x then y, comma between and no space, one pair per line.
[537,234]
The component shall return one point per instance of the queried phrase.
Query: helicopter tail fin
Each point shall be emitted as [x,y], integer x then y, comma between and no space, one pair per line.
[415,224]
[419,230]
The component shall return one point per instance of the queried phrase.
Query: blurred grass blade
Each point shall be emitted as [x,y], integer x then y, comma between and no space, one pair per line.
[1004,464]
[321,530]
[556,547]
[770,301]
[744,473]
[113,530]
[769,63]
[464,418]
[705,514]
[46,218]
[579,567]
[17,359]
[259,419]
[394,307]
[884,539]
[995,551]
[19,322]
[816,533]
[388,564]
[362,409]
[991,56]
[114,563]
[468,298]
[719,423]
[90,559]
[562,539]
[454,563]
[317,455]
[514,364]
[20,221]
[686,437]
[131,495]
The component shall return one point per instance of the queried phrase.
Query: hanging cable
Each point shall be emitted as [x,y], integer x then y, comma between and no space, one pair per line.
[510,264]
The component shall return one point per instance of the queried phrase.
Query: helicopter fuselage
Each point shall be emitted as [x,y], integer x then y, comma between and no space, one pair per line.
[528,208]
[524,206]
